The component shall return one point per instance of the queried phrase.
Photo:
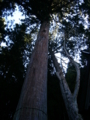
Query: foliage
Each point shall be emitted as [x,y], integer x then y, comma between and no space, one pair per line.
[64,16]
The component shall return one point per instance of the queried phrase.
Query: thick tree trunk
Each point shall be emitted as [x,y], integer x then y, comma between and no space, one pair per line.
[33,100]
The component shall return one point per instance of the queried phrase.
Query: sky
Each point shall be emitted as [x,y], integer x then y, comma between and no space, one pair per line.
[17,15]
[16,18]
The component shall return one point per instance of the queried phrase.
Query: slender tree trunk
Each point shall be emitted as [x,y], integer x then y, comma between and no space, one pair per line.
[33,100]
[69,99]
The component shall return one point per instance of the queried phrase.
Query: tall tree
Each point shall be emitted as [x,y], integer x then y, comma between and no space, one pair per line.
[33,99]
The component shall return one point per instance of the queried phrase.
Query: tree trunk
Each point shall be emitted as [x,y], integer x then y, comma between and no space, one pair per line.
[33,100]
[69,100]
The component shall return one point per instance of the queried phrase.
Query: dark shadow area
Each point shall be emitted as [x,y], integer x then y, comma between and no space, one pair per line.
[55,103]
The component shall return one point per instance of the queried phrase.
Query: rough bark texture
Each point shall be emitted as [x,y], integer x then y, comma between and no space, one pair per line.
[33,100]
[70,102]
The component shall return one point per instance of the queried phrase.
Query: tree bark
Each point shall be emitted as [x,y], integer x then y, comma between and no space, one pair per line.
[33,100]
[69,100]
[77,85]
